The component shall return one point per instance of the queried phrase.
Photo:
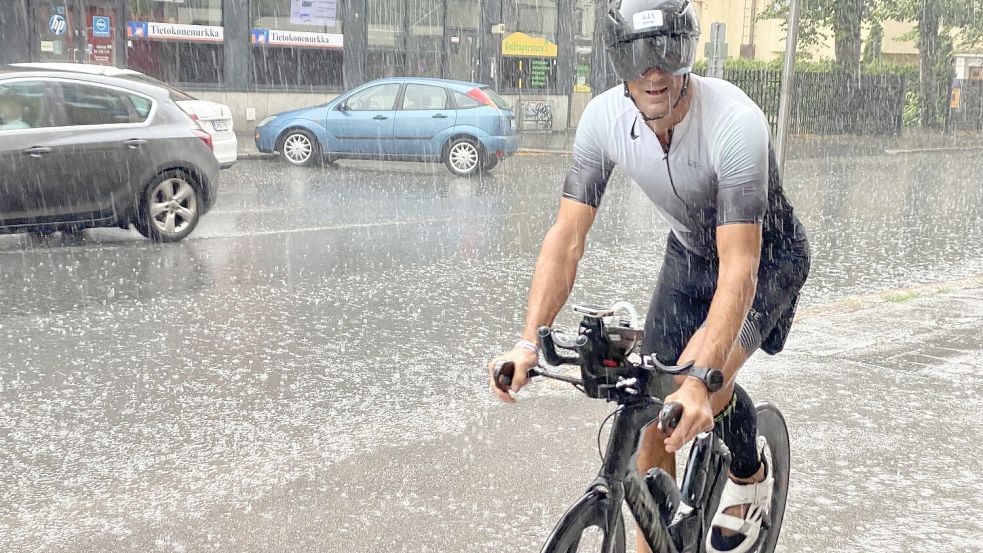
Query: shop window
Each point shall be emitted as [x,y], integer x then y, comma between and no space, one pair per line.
[176,42]
[297,43]
[387,19]
[535,18]
[463,14]
[384,63]
[425,38]
[534,74]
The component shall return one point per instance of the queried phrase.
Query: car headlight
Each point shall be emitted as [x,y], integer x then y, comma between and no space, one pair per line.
[266,121]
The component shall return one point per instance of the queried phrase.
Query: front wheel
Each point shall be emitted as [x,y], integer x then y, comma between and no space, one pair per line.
[170,207]
[299,147]
[583,529]
[771,425]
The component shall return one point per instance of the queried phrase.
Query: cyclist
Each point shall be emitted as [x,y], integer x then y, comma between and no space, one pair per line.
[736,255]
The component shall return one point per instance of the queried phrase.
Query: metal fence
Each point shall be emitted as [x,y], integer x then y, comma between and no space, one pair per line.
[966,107]
[829,103]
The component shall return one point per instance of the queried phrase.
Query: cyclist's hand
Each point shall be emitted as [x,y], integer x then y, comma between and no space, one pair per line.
[697,413]
[524,360]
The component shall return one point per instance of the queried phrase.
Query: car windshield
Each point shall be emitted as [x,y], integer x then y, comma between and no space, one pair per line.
[176,95]
[499,101]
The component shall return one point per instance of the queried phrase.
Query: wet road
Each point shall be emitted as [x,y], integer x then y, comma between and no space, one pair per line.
[303,373]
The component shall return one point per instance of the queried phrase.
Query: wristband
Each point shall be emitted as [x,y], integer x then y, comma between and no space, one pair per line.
[526,344]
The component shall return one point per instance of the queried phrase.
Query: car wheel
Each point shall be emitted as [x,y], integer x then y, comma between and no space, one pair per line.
[300,148]
[463,157]
[170,207]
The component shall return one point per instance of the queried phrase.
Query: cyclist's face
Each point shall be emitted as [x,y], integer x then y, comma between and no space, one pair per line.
[655,92]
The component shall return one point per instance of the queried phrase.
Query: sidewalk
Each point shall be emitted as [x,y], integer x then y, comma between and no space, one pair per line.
[800,146]
[529,142]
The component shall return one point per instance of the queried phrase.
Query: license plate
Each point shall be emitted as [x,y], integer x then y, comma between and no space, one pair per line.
[220,126]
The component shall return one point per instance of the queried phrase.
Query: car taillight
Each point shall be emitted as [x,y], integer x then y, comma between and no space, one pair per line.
[194,117]
[204,136]
[479,95]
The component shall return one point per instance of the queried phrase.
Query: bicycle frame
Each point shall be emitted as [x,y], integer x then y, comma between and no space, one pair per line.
[619,481]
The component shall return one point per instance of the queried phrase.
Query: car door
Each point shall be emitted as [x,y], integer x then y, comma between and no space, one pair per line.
[105,143]
[424,115]
[363,122]
[30,177]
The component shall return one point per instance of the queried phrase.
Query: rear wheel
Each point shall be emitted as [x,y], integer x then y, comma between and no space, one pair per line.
[582,529]
[299,147]
[170,207]
[771,425]
[463,157]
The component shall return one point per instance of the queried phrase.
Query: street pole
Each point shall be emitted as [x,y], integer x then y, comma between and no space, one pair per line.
[788,80]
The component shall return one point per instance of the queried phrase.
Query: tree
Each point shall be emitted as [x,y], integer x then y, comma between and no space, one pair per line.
[818,17]
[936,22]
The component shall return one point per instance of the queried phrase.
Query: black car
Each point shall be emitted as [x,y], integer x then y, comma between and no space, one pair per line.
[79,150]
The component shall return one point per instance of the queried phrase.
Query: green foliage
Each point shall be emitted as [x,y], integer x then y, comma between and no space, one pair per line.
[909,115]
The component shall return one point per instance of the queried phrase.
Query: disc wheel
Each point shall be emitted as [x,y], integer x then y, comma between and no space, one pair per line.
[771,425]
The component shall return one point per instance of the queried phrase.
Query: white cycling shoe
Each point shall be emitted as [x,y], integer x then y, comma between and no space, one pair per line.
[756,496]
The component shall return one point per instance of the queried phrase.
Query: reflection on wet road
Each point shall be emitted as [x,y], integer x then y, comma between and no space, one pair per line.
[170,397]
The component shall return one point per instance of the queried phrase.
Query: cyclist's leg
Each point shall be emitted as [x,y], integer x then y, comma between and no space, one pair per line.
[767,326]
[679,306]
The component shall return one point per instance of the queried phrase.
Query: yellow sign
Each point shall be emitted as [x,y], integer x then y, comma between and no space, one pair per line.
[521,44]
[954,100]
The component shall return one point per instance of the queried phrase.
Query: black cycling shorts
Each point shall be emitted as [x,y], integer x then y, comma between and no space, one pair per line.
[686,286]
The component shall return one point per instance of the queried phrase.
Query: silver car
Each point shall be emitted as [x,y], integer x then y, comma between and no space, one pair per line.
[79,150]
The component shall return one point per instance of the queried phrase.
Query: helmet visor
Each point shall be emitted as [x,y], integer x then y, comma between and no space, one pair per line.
[669,53]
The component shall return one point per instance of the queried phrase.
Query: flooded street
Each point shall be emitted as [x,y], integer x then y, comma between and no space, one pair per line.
[306,371]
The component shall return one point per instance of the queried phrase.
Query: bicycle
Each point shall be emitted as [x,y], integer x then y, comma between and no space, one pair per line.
[672,519]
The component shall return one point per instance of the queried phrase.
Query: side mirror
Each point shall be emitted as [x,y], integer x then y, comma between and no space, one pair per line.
[343,106]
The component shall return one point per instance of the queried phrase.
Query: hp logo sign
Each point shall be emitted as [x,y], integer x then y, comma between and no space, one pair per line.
[57,24]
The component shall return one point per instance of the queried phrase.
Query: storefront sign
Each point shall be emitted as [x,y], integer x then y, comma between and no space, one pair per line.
[101,25]
[539,71]
[149,30]
[521,44]
[320,13]
[273,37]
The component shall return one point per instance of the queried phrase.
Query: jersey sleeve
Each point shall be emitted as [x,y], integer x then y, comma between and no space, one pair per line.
[742,169]
[592,167]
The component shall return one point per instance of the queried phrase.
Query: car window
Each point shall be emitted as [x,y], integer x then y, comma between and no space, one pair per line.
[424,96]
[175,94]
[23,106]
[96,105]
[499,101]
[377,98]
[464,101]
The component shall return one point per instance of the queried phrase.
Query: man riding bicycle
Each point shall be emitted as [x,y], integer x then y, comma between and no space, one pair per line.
[736,255]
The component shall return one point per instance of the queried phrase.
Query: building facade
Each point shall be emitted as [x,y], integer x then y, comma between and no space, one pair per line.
[263,56]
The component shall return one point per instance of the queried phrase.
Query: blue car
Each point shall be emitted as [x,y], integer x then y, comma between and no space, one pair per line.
[466,125]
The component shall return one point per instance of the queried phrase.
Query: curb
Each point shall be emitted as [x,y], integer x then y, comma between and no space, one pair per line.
[930,150]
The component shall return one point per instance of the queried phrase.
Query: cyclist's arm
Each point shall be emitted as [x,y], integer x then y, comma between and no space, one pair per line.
[741,147]
[739,250]
[556,267]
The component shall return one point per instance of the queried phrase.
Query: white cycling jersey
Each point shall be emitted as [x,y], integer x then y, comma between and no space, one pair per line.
[719,169]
